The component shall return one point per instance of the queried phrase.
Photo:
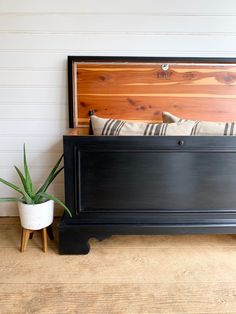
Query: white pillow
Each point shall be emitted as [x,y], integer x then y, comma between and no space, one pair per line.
[102,126]
[203,128]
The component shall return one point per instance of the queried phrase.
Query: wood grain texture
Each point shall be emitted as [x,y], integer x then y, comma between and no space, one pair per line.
[168,298]
[124,274]
[137,91]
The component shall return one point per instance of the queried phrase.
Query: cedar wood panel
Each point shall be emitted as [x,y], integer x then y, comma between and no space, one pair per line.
[139,88]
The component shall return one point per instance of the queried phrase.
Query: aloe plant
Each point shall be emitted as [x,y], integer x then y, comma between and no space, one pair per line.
[27,191]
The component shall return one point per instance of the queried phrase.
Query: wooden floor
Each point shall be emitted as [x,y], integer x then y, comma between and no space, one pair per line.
[123,274]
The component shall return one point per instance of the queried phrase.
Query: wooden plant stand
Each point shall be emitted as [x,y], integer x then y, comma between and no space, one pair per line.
[28,234]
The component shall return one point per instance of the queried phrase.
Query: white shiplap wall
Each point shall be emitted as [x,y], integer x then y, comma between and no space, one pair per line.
[36,37]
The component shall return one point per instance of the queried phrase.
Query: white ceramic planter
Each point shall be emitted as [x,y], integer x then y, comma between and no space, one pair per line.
[38,216]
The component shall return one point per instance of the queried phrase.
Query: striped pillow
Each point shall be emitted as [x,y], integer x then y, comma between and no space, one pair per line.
[102,126]
[203,128]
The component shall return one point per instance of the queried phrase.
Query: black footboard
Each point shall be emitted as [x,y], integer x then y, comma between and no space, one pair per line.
[147,185]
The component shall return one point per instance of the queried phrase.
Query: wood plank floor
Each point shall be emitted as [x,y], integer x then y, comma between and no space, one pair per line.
[123,274]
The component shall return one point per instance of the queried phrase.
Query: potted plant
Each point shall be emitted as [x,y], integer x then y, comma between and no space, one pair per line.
[36,207]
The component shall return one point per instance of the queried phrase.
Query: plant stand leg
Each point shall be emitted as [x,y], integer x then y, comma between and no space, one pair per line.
[50,232]
[31,235]
[24,238]
[44,239]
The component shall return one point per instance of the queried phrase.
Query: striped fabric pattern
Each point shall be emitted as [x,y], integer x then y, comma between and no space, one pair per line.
[203,128]
[102,126]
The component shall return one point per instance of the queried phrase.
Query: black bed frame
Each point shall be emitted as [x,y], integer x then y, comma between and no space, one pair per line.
[163,185]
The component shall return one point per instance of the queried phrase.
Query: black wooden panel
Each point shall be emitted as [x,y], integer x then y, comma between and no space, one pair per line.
[74,237]
[131,181]
[146,179]
[147,185]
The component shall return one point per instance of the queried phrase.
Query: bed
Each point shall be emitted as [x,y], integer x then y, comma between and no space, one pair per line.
[148,184]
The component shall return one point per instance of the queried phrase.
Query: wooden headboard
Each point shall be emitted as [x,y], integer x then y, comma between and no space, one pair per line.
[140,88]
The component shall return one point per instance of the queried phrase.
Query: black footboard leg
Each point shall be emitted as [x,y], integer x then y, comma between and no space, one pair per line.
[73,240]
[82,246]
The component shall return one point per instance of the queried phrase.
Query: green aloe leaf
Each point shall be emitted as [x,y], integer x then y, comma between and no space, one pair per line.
[46,184]
[56,200]
[16,188]
[27,192]
[28,180]
[10,199]
[11,185]
[49,180]
[23,180]
[52,175]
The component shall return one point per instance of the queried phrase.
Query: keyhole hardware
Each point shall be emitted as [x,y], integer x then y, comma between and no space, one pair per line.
[165,67]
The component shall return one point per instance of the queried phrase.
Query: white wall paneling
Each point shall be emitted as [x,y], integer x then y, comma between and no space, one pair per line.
[37,143]
[95,42]
[93,23]
[28,78]
[37,36]
[23,60]
[36,112]
[33,94]
[123,6]
[44,127]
